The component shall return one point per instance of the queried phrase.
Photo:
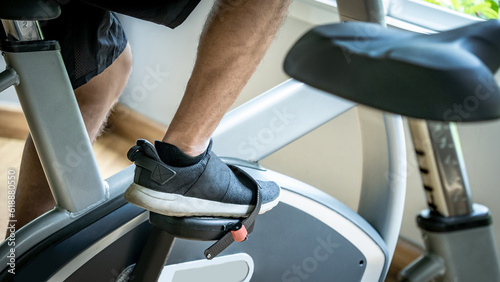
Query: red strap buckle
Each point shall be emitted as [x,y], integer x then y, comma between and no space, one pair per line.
[240,234]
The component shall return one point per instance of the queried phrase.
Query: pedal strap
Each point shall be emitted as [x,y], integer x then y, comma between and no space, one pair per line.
[239,231]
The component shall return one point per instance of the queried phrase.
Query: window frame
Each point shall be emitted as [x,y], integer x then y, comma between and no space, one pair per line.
[404,14]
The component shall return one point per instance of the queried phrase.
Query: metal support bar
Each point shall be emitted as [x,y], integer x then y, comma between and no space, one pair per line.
[362,10]
[8,78]
[442,167]
[153,256]
[425,268]
[57,128]
[383,188]
[53,116]
[274,119]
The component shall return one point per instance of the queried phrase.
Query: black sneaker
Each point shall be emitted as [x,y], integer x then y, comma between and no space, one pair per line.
[207,188]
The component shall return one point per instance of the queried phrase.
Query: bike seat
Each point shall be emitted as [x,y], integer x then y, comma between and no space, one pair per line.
[445,76]
[193,228]
[31,10]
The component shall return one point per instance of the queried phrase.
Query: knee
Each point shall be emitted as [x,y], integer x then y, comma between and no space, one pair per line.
[103,90]
[124,64]
[121,70]
[126,60]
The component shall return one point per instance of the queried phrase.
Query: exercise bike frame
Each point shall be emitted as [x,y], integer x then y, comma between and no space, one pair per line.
[51,112]
[311,108]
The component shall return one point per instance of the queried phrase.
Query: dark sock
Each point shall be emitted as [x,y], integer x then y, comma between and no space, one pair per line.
[171,155]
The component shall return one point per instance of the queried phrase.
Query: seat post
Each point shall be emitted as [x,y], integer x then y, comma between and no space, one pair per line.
[372,11]
[22,30]
[442,167]
[457,233]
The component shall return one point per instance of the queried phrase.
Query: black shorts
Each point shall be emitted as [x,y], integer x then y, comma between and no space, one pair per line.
[91,36]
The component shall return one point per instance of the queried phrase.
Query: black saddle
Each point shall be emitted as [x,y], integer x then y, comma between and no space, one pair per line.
[31,10]
[445,76]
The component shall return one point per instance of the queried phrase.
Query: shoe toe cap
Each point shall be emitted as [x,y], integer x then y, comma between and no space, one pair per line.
[270,191]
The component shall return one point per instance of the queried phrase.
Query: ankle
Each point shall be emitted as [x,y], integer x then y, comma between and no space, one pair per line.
[192,149]
[173,156]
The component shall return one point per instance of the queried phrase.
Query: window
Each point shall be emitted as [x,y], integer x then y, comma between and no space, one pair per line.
[429,15]
[483,9]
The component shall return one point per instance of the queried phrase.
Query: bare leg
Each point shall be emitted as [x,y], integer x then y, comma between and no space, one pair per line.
[235,38]
[96,98]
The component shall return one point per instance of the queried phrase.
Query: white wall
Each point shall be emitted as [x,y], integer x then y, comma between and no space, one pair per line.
[328,158]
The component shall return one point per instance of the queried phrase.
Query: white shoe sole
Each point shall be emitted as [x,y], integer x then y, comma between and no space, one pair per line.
[181,206]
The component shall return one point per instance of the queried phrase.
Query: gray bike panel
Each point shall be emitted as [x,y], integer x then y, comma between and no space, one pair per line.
[318,252]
